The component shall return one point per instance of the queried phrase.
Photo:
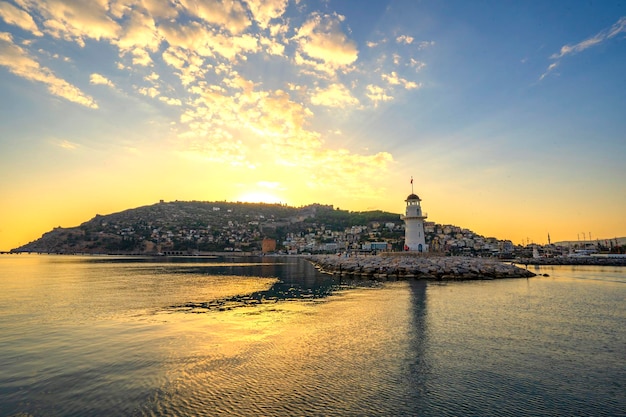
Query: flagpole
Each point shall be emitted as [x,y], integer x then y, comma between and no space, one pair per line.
[412,185]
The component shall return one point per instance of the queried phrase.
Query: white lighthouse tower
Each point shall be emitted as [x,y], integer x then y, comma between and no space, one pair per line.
[414,239]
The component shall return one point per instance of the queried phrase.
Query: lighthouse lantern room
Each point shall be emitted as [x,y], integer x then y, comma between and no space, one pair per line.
[414,239]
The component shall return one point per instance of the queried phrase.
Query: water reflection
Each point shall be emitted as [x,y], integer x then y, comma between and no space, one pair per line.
[418,362]
[89,336]
[296,279]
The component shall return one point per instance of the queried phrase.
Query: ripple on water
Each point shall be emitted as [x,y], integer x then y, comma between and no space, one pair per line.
[296,360]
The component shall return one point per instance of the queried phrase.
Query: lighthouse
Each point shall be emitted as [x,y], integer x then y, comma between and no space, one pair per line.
[414,239]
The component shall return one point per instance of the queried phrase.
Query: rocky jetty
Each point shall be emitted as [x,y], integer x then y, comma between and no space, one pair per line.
[408,266]
[599,260]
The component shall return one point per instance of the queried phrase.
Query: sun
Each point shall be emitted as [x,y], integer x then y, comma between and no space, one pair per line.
[259,197]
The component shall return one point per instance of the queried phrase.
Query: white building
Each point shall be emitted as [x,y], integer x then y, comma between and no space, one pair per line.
[414,239]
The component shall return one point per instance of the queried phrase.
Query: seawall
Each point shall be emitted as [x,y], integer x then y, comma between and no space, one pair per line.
[598,260]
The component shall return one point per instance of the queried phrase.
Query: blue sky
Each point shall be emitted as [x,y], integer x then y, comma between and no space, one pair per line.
[509,115]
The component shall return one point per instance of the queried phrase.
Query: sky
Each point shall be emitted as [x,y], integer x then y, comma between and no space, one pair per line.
[510,116]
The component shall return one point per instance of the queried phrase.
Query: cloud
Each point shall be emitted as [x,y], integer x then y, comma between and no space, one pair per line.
[225,115]
[149,91]
[393,79]
[152,77]
[342,170]
[217,146]
[550,68]
[66,144]
[313,67]
[190,37]
[20,63]
[281,121]
[335,95]
[321,40]
[96,78]
[175,57]
[191,67]
[141,57]
[238,82]
[275,126]
[18,17]
[75,20]
[599,38]
[272,47]
[418,65]
[171,101]
[163,9]
[263,11]
[204,42]
[140,31]
[228,14]
[405,39]
[425,44]
[233,47]
[377,94]
[602,36]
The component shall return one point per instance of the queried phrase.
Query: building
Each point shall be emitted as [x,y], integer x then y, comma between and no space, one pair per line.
[375,246]
[414,239]
[268,245]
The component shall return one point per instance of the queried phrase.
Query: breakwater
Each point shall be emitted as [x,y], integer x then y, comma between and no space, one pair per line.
[408,266]
[577,260]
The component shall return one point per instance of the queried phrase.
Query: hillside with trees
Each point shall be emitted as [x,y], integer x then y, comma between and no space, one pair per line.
[199,226]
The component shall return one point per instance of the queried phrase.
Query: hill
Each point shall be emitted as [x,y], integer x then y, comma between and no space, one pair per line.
[199,226]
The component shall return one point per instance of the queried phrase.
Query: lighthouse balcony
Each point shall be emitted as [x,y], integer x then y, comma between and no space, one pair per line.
[423,216]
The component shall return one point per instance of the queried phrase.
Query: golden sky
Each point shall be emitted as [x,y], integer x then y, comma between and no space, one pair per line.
[510,119]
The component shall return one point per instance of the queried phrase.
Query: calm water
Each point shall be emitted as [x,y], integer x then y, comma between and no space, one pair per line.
[106,336]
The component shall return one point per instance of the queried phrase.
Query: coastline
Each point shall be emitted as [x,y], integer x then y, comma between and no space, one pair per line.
[398,266]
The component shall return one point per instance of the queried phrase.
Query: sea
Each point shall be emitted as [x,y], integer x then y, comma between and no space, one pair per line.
[271,336]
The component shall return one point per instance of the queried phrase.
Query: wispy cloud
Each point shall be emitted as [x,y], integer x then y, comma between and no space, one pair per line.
[599,38]
[425,44]
[550,68]
[65,144]
[19,62]
[604,35]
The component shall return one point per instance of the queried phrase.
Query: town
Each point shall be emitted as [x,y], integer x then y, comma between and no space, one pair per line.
[192,228]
